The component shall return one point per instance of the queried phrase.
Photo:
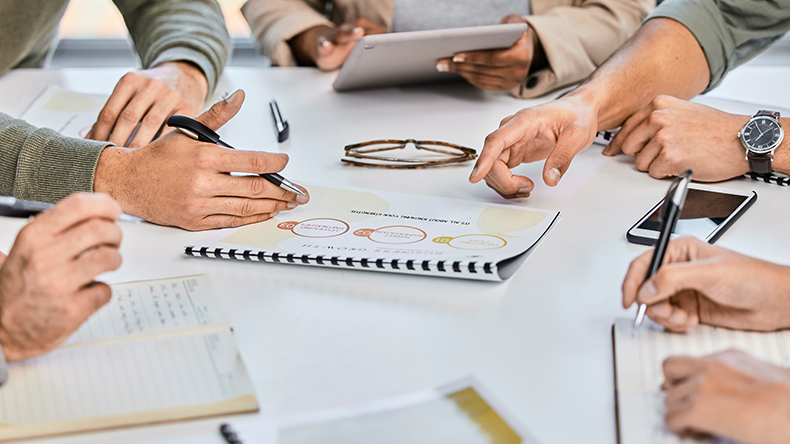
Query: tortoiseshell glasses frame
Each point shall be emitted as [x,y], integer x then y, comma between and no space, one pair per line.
[359,151]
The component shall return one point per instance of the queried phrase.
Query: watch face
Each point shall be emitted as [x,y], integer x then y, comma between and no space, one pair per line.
[762,135]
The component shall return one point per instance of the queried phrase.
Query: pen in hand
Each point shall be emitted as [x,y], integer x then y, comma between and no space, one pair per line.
[670,213]
[205,134]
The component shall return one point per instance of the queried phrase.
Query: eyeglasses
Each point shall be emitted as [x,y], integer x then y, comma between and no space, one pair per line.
[430,154]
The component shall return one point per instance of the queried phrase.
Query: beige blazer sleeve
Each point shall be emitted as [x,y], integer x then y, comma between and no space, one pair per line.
[274,22]
[579,37]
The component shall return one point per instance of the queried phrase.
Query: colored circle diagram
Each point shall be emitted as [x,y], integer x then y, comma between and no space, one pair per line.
[316,228]
[473,242]
[395,234]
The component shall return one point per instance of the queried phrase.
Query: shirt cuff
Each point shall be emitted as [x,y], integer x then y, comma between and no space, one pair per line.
[704,20]
[51,166]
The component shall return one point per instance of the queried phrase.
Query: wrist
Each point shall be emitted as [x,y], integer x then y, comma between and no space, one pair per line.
[112,169]
[194,74]
[781,162]
[539,60]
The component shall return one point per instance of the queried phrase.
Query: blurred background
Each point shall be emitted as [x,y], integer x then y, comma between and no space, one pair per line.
[93,33]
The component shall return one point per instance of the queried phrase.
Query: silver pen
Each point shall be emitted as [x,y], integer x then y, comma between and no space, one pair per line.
[670,213]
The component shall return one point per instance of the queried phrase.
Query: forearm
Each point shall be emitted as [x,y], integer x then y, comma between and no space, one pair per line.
[663,57]
[40,164]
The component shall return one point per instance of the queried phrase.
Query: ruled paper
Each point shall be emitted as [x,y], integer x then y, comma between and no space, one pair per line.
[123,378]
[153,307]
[639,371]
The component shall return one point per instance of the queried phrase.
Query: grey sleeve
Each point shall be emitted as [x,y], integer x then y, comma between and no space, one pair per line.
[730,32]
[179,30]
[40,164]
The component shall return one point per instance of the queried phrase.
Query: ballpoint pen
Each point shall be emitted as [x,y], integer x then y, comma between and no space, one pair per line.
[673,205]
[283,129]
[206,134]
[13,207]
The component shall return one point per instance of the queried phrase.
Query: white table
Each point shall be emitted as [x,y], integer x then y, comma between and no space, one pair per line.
[317,338]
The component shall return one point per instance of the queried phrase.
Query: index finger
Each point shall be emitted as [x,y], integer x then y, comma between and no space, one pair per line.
[108,116]
[258,162]
[77,208]
[635,277]
[510,133]
[680,368]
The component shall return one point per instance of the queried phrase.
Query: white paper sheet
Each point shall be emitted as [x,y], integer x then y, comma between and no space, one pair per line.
[67,112]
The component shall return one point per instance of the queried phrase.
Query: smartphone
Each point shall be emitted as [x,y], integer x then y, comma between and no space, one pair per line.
[707,214]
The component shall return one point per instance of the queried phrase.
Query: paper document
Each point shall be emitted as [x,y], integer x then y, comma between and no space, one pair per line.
[158,351]
[461,412]
[69,113]
[639,358]
[382,231]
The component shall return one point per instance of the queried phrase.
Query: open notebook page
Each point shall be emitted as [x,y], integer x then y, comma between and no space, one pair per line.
[154,307]
[137,378]
[639,358]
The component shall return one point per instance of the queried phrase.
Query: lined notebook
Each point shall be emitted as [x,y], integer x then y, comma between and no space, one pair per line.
[158,351]
[392,232]
[639,374]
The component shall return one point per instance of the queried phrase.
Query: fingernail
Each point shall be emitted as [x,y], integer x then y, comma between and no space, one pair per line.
[292,205]
[442,66]
[458,59]
[274,214]
[359,30]
[554,175]
[647,291]
[302,199]
[676,318]
[525,190]
[474,171]
[322,41]
[233,96]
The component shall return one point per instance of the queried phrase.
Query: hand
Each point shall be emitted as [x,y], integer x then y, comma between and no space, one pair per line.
[149,97]
[556,131]
[46,284]
[671,135]
[499,69]
[702,284]
[328,48]
[728,394]
[179,181]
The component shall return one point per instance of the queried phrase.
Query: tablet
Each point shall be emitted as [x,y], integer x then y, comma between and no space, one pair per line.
[410,57]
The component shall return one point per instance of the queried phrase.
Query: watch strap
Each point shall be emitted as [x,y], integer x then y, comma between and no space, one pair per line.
[760,164]
[766,113]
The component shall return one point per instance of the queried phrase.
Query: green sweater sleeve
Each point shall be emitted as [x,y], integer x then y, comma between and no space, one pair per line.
[40,164]
[178,30]
[730,32]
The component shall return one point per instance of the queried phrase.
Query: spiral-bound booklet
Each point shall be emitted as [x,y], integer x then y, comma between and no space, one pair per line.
[382,231]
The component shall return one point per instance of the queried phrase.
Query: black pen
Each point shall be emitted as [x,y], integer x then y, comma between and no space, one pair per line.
[673,205]
[283,129]
[13,207]
[206,134]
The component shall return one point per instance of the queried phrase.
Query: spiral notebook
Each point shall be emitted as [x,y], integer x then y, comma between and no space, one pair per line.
[391,232]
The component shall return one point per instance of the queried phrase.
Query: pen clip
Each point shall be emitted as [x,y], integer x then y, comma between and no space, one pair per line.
[203,133]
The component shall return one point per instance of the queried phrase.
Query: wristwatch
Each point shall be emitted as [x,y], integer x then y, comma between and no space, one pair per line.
[761,135]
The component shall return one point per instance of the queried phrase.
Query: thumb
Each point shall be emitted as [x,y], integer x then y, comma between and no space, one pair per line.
[571,141]
[512,18]
[221,112]
[671,279]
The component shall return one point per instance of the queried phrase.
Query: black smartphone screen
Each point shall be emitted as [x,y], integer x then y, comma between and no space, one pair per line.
[702,213]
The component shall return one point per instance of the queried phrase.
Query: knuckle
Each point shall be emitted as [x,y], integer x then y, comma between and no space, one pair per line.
[204,158]
[259,163]
[247,207]
[107,116]
[128,116]
[661,101]
[257,186]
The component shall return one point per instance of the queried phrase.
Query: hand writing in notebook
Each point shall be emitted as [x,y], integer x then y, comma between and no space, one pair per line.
[703,284]
[729,394]
[46,283]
